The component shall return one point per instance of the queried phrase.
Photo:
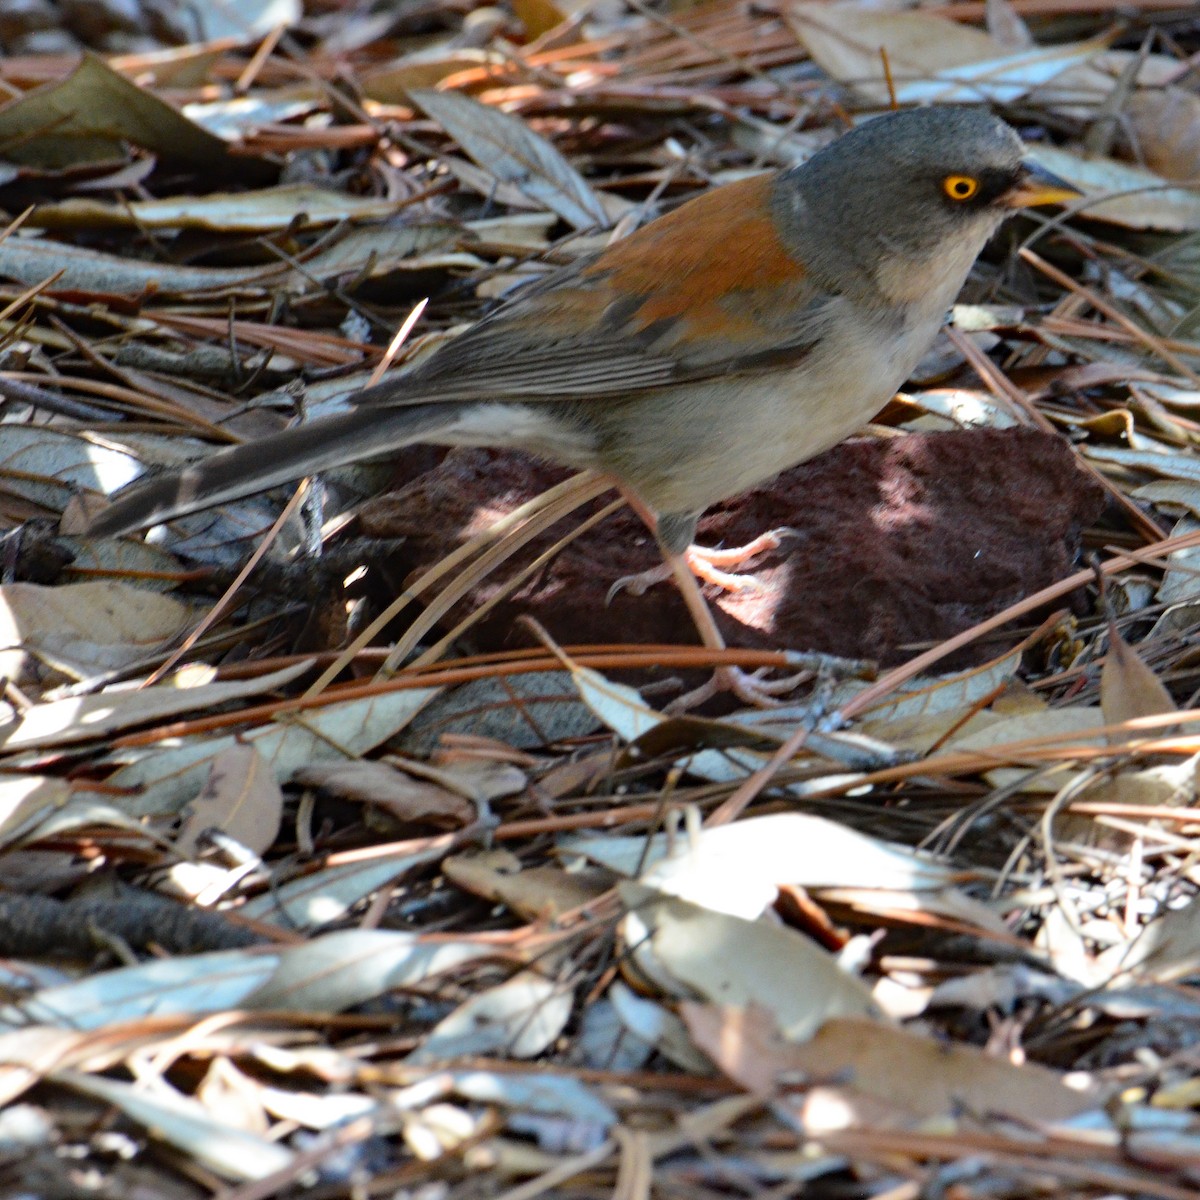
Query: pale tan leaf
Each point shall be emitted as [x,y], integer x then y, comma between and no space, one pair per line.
[869,1058]
[519,1018]
[536,893]
[164,778]
[188,1126]
[240,798]
[1171,496]
[1122,193]
[79,811]
[1129,688]
[1165,125]
[84,628]
[687,950]
[28,1055]
[512,232]
[505,146]
[1172,785]
[1166,951]
[25,800]
[845,41]
[1005,26]
[339,970]
[1065,722]
[238,1098]
[480,780]
[1071,725]
[946,693]
[328,895]
[951,904]
[382,785]
[194,983]
[1181,582]
[932,59]
[48,465]
[32,262]
[62,722]
[642,1020]
[738,868]
[1169,464]
[245,20]
[391,83]
[264,211]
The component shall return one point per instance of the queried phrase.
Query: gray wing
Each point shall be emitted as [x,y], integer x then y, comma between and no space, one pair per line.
[580,338]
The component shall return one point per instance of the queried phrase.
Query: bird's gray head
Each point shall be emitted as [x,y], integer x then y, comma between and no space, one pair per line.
[901,194]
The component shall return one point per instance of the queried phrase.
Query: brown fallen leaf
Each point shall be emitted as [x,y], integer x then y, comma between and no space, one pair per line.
[399,795]
[538,892]
[91,116]
[1165,127]
[240,797]
[1128,688]
[868,1058]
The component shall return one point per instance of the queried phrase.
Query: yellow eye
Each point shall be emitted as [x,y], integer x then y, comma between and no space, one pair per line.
[960,187]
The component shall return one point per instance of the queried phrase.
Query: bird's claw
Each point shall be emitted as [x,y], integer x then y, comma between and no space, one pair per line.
[639,584]
[751,689]
[706,565]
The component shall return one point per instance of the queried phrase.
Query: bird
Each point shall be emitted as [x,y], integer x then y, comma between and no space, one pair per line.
[744,331]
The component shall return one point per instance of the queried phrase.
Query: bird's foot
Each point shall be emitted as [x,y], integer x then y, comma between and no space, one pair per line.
[750,688]
[734,556]
[706,565]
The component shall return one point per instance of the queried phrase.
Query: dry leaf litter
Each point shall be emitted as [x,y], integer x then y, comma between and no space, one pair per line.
[307,891]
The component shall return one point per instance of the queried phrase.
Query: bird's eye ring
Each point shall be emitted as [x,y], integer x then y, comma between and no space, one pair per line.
[960,187]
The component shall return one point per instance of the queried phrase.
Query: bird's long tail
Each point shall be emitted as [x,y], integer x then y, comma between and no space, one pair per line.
[269,462]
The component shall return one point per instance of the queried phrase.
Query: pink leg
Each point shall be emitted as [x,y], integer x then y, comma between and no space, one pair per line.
[706,564]
[684,569]
[748,688]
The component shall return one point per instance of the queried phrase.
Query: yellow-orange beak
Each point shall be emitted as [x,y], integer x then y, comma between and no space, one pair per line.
[1036,185]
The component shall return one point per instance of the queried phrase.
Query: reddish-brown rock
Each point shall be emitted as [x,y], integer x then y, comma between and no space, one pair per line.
[898,541]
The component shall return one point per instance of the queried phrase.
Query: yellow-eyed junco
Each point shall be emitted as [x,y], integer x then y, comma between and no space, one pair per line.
[747,330]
